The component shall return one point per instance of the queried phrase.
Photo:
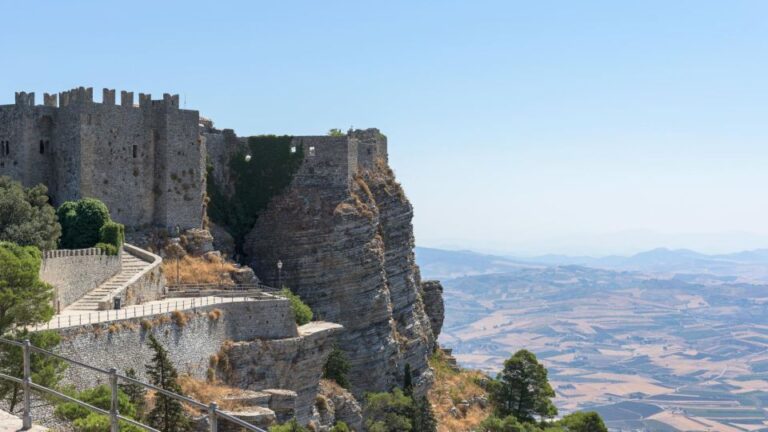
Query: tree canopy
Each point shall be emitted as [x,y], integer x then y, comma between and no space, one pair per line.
[522,389]
[26,217]
[81,222]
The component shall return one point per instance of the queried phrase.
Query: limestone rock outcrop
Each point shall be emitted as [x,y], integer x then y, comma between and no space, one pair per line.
[347,250]
[432,294]
[294,364]
[335,404]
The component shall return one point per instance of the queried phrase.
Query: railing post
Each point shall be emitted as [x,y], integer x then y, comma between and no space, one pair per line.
[212,416]
[26,421]
[113,420]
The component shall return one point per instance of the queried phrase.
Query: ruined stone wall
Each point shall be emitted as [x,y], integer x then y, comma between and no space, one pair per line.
[190,345]
[73,273]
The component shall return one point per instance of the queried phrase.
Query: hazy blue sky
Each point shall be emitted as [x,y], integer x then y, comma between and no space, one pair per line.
[567,126]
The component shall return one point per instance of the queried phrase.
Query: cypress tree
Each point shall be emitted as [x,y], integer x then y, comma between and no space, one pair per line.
[408,381]
[423,418]
[168,413]
[135,392]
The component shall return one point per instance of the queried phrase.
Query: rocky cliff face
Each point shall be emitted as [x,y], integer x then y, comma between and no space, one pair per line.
[432,294]
[348,252]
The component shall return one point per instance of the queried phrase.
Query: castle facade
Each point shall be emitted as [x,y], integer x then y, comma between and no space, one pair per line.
[146,161]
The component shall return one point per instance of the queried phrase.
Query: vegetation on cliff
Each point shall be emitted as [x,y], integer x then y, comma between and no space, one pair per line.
[258,174]
[85,420]
[301,312]
[26,217]
[168,413]
[337,367]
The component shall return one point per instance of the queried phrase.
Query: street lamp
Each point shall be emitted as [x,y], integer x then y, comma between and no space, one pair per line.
[279,274]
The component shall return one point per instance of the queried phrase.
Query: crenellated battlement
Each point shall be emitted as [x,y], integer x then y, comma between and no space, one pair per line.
[84,96]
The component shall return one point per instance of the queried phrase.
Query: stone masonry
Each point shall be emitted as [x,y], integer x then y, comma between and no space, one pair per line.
[145,161]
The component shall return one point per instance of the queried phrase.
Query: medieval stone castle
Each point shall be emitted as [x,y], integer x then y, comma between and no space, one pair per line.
[146,161]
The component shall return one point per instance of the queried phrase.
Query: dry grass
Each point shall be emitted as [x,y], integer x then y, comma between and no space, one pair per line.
[207,392]
[179,318]
[451,387]
[215,314]
[196,270]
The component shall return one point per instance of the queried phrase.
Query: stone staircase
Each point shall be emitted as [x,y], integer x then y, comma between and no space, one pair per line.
[131,266]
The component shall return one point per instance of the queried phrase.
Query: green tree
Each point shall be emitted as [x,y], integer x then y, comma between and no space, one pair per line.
[46,371]
[85,420]
[168,413]
[522,389]
[408,381]
[496,424]
[340,426]
[388,412]
[291,426]
[81,222]
[335,132]
[26,217]
[583,421]
[337,367]
[136,393]
[423,418]
[302,313]
[25,300]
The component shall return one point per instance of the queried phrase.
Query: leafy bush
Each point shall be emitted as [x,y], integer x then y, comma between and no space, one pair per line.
[109,249]
[85,420]
[291,426]
[81,222]
[388,412]
[112,233]
[302,313]
[26,217]
[588,421]
[337,367]
[340,426]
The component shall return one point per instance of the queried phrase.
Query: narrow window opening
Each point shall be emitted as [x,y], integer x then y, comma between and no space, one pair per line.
[135,151]
[42,147]
[311,150]
[293,149]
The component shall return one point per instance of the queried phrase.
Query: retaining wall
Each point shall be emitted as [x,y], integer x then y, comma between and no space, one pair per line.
[123,344]
[73,273]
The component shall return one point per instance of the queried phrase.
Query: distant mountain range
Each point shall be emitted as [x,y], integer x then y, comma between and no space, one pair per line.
[747,265]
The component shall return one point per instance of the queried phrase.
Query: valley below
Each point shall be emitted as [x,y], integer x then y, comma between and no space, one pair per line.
[648,351]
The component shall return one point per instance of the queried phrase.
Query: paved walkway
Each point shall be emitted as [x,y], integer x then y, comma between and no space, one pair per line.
[11,423]
[73,318]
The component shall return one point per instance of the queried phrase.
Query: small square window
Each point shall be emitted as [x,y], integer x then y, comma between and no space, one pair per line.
[311,150]
[293,149]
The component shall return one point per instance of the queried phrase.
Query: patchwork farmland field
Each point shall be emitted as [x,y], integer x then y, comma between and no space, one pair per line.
[649,353]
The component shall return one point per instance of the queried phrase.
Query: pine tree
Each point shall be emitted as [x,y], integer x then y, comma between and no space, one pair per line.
[337,367]
[135,392]
[423,419]
[168,413]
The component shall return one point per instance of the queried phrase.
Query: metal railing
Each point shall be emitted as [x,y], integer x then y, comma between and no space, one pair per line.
[221,287]
[136,311]
[212,410]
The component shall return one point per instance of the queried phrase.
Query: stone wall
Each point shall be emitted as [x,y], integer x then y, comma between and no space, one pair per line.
[73,273]
[123,344]
[145,286]
[146,162]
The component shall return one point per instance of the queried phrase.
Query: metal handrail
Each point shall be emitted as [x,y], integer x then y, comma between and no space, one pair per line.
[27,385]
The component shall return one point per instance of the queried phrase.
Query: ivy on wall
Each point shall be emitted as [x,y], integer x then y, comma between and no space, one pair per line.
[258,175]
